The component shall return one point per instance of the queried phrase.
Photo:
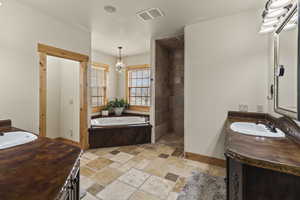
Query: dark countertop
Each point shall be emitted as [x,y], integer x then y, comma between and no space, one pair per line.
[279,154]
[36,170]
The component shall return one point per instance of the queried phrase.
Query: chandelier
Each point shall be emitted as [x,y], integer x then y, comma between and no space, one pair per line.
[120,64]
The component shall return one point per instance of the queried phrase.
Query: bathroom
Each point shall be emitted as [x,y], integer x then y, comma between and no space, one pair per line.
[191,99]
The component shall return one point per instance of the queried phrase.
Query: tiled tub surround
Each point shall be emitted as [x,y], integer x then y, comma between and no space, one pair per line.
[112,136]
[148,172]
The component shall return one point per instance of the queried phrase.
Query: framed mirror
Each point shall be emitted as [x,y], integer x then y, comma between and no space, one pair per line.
[286,66]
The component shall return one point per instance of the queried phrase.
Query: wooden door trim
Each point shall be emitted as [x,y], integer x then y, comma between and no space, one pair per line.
[61,53]
[43,94]
[44,51]
[101,65]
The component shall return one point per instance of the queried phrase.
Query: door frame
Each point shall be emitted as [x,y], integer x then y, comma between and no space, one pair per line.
[44,51]
[153,86]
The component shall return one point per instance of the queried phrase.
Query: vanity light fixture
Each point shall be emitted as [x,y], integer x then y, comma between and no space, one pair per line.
[120,64]
[275,11]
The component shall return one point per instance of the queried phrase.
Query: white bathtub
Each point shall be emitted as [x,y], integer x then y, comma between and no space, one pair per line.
[118,121]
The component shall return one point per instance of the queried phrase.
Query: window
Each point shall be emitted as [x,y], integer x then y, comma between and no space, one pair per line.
[138,87]
[98,86]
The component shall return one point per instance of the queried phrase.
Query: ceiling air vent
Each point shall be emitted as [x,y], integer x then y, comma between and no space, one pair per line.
[150,14]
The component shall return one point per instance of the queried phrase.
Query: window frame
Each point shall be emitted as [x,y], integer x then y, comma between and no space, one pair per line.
[104,67]
[127,89]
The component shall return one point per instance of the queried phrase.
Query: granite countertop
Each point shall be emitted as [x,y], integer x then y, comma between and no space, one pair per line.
[36,170]
[279,154]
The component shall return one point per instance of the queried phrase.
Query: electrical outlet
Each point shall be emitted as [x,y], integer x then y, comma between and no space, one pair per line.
[71,133]
[260,108]
[243,108]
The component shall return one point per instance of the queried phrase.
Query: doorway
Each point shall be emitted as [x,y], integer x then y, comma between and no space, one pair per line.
[46,52]
[169,91]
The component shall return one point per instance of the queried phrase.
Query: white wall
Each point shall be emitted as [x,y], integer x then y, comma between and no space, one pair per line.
[63,99]
[53,98]
[226,65]
[21,29]
[112,78]
[140,59]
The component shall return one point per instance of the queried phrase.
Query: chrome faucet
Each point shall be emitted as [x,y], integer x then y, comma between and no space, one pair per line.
[268,125]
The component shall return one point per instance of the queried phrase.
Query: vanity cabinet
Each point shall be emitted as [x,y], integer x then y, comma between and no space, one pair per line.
[234,180]
[245,182]
[262,168]
[71,190]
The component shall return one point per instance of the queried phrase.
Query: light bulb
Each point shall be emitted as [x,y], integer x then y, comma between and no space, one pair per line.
[290,26]
[294,18]
[264,30]
[120,66]
[279,4]
[275,13]
[270,22]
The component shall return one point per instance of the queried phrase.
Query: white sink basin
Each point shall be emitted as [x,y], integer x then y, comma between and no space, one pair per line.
[254,129]
[11,139]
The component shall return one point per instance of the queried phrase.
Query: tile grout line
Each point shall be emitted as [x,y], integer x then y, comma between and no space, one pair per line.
[155,150]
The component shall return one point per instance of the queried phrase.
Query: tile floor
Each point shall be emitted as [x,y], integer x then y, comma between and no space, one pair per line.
[142,172]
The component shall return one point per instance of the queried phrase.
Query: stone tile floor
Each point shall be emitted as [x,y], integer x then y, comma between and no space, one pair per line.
[141,172]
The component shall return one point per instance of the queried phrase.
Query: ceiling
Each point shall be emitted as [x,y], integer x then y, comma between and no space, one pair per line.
[110,30]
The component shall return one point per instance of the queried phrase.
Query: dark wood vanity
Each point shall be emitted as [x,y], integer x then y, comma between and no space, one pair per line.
[260,168]
[44,169]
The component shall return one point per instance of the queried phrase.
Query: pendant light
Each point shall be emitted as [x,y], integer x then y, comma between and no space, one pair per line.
[120,64]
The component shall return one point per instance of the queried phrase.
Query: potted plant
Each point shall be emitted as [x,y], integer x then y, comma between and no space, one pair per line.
[118,106]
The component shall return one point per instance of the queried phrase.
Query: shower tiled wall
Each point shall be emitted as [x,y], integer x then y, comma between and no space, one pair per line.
[176,99]
[162,92]
[169,83]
